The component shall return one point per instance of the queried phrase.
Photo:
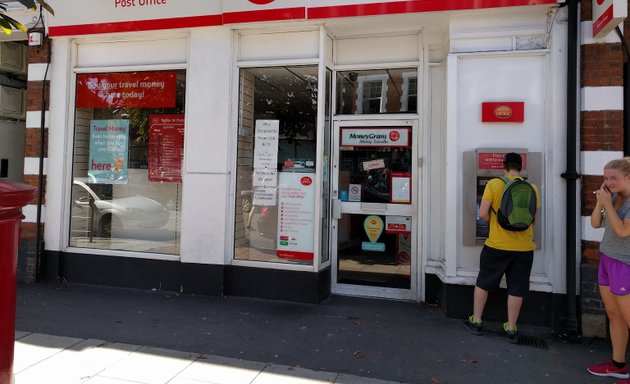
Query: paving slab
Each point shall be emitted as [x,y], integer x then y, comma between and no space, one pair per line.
[35,348]
[277,374]
[222,370]
[351,379]
[149,365]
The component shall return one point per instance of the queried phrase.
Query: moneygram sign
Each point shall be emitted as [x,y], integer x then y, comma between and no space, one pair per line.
[375,137]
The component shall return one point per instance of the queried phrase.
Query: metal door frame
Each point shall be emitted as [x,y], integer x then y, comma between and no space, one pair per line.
[413,293]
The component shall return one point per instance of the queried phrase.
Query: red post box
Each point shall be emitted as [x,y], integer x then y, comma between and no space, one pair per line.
[13,196]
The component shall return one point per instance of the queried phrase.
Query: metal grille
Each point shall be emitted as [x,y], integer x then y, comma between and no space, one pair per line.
[530,341]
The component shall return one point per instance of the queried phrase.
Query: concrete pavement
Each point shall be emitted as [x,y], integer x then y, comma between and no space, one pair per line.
[108,335]
[41,358]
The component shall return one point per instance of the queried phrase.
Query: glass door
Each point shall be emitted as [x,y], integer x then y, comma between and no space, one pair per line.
[374,209]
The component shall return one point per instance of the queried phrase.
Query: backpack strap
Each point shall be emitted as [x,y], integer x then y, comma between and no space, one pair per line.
[505,180]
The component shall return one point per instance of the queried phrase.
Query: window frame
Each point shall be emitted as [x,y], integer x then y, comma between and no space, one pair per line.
[234,131]
[65,230]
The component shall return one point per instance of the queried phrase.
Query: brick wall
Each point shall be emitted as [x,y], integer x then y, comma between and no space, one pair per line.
[27,262]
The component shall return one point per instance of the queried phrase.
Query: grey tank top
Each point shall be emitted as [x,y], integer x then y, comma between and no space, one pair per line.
[612,245]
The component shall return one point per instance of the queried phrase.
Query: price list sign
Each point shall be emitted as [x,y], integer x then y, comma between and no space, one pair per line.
[296,216]
[166,148]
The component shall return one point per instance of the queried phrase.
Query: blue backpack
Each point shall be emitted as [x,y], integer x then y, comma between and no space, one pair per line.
[518,205]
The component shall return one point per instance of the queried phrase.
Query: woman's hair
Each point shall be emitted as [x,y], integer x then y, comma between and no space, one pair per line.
[622,165]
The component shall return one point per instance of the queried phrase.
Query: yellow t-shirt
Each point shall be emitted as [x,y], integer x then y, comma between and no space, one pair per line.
[499,237]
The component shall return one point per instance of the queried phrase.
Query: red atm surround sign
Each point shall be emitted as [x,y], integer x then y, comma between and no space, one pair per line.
[494,160]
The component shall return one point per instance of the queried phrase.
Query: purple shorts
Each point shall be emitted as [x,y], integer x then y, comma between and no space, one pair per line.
[614,274]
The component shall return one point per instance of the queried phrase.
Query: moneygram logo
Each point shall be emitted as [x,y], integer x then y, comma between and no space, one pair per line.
[394,136]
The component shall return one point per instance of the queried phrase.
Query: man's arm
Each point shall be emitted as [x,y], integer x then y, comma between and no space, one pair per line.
[484,210]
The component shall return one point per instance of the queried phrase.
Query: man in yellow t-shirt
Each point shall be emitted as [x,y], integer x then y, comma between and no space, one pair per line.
[504,252]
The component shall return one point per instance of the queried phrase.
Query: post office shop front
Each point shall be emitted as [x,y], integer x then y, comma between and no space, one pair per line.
[282,155]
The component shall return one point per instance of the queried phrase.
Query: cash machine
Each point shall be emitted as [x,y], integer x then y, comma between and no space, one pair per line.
[479,167]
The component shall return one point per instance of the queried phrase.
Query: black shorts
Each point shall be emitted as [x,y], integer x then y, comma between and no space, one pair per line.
[516,265]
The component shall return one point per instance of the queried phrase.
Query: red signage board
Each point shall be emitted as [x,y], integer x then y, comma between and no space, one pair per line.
[503,112]
[494,160]
[166,148]
[80,17]
[607,14]
[131,90]
[391,137]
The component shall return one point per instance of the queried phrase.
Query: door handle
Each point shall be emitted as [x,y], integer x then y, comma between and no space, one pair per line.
[374,207]
[336,209]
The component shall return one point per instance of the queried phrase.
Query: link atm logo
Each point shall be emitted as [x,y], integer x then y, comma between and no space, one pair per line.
[261,2]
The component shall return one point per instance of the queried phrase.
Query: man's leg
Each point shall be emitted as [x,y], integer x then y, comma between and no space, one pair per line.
[480,299]
[517,278]
[514,304]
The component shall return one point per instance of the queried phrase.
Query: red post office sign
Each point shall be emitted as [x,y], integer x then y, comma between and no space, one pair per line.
[131,90]
[503,112]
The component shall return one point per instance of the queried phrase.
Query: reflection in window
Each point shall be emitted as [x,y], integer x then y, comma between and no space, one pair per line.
[377,91]
[276,164]
[128,152]
[409,98]
[372,94]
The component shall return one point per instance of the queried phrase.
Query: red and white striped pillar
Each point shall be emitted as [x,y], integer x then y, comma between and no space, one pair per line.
[37,62]
[601,140]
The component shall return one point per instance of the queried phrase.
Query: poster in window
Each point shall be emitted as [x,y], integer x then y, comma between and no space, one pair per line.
[400,187]
[109,143]
[267,134]
[166,148]
[129,90]
[398,225]
[296,216]
[266,144]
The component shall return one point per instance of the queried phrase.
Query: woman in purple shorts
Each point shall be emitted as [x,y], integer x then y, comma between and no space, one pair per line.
[612,211]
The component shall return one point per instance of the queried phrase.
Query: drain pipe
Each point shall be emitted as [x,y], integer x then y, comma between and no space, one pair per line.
[626,104]
[570,322]
[626,93]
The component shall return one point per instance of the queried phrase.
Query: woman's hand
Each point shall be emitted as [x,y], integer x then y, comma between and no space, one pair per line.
[604,196]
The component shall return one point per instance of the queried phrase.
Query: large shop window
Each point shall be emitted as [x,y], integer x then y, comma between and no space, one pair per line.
[127,161]
[377,91]
[275,189]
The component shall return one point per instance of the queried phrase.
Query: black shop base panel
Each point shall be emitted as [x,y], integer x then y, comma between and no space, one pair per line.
[539,308]
[197,279]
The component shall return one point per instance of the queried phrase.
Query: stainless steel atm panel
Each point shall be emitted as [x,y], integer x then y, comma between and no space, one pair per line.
[479,167]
